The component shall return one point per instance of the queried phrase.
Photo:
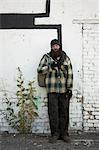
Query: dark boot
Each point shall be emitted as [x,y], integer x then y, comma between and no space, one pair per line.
[66,138]
[53,139]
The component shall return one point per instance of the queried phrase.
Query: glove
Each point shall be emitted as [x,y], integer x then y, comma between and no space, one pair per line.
[69,93]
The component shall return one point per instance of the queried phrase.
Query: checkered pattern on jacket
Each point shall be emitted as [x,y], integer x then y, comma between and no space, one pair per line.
[57,80]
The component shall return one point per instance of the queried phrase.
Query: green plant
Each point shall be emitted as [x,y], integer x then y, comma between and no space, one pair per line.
[24,112]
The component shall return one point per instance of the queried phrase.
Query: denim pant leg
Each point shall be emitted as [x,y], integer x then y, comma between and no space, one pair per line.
[53,113]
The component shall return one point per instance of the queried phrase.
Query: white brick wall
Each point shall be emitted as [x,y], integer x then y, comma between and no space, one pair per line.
[84,107]
[91,76]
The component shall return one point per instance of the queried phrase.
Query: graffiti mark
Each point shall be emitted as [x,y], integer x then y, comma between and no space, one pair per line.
[27,21]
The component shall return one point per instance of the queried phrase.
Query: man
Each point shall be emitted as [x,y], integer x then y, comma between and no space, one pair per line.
[59,82]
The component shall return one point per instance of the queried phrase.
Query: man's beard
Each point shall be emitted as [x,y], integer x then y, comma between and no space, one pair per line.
[56,54]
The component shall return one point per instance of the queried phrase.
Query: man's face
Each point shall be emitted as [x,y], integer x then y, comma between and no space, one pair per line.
[56,51]
[55,47]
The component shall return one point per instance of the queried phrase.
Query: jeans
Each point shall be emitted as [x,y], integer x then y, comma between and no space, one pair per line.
[58,111]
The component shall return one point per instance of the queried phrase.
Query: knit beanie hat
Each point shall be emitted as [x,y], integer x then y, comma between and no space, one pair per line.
[55,41]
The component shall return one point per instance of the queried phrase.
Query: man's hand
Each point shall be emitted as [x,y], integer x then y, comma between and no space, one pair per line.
[53,65]
[56,64]
[69,93]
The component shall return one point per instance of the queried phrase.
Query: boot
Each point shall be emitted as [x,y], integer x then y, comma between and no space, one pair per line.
[53,139]
[66,138]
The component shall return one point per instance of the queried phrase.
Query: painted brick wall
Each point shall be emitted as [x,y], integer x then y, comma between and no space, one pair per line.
[84,107]
[91,76]
[28,42]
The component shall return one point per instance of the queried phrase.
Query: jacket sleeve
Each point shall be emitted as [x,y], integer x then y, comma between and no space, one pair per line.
[43,65]
[69,75]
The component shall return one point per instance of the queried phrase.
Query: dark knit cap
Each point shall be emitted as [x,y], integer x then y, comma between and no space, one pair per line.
[55,41]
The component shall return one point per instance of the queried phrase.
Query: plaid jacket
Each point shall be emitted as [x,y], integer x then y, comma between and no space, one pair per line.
[57,80]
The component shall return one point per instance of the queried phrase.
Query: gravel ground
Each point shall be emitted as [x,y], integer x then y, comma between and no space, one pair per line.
[81,141]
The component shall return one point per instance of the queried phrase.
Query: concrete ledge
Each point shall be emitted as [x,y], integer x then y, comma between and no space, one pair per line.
[85,21]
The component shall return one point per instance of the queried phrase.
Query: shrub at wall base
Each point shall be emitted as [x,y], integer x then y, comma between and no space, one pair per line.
[26,106]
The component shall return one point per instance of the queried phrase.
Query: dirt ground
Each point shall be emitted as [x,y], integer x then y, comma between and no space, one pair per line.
[79,141]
